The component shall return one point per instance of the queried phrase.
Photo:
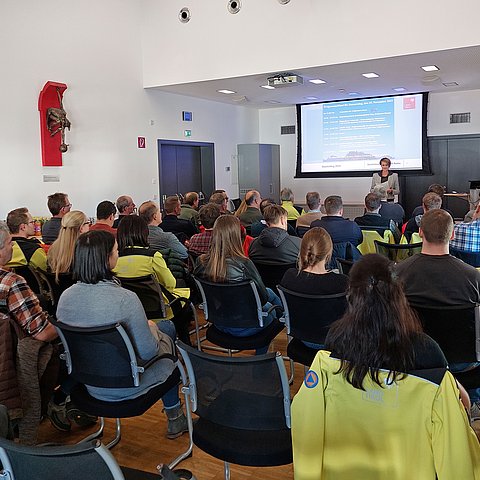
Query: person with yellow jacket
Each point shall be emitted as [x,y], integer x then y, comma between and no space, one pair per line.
[137,259]
[27,251]
[380,404]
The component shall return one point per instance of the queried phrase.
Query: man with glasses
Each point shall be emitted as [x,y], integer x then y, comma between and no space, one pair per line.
[125,207]
[27,251]
[59,205]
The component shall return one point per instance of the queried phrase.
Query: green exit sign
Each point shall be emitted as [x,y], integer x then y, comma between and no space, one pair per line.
[187,133]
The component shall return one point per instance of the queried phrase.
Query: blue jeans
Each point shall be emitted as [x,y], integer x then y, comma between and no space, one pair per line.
[474,393]
[272,299]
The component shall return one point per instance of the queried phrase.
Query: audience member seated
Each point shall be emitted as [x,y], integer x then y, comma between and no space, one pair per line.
[137,259]
[97,299]
[125,207]
[221,200]
[106,211]
[252,212]
[19,306]
[378,361]
[226,263]
[189,209]
[157,238]
[312,276]
[435,278]
[26,250]
[372,218]
[60,254]
[392,211]
[183,229]
[200,242]
[59,205]
[287,199]
[257,227]
[313,204]
[430,201]
[433,188]
[466,236]
[340,229]
[274,244]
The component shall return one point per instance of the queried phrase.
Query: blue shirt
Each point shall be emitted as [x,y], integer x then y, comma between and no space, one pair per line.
[467,236]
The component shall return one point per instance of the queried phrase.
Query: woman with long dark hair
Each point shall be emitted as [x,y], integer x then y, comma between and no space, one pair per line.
[380,403]
[98,299]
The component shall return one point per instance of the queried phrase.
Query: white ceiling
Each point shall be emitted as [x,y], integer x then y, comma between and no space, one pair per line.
[458,65]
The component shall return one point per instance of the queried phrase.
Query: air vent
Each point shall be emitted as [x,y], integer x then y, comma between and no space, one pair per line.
[287,130]
[460,117]
[51,178]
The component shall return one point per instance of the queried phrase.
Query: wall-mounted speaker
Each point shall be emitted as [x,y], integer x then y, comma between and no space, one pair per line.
[184,15]
[234,6]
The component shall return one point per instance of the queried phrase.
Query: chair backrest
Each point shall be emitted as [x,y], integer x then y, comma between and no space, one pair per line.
[84,461]
[344,266]
[239,392]
[229,305]
[272,273]
[28,274]
[308,317]
[149,292]
[397,252]
[416,238]
[472,258]
[455,329]
[99,356]
[345,250]
[65,280]
[369,236]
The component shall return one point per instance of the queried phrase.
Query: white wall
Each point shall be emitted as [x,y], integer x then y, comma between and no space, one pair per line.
[267,37]
[95,48]
[353,190]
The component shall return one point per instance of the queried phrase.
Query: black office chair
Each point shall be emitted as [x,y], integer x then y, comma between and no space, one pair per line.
[149,291]
[344,266]
[28,274]
[272,273]
[397,252]
[457,330]
[308,318]
[472,258]
[235,305]
[243,407]
[105,357]
[51,289]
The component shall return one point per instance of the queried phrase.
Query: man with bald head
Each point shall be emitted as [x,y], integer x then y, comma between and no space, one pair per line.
[252,214]
[125,207]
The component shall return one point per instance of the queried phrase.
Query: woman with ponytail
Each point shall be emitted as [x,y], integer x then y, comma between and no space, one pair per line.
[312,276]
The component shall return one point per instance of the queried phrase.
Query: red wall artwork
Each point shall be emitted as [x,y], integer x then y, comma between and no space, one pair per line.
[53,121]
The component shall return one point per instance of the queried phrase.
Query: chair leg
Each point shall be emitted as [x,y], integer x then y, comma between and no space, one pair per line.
[118,434]
[96,434]
[226,470]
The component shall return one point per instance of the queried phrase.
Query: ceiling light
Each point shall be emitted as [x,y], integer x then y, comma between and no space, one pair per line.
[317,81]
[399,89]
[430,68]
[370,75]
[272,101]
[226,92]
[268,87]
[353,94]
[310,98]
[450,84]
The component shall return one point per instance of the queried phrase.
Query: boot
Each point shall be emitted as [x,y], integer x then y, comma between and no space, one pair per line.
[177,422]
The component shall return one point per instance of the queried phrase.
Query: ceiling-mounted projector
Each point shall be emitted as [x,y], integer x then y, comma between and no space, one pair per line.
[284,80]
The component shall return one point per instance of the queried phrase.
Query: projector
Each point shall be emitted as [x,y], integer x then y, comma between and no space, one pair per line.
[284,80]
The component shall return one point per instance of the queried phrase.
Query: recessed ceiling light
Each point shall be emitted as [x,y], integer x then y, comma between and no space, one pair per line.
[310,98]
[317,81]
[430,68]
[399,89]
[370,75]
[353,94]
[227,92]
[268,87]
[341,90]
[272,101]
[450,84]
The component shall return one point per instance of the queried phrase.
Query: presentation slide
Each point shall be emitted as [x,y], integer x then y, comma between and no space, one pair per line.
[353,135]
